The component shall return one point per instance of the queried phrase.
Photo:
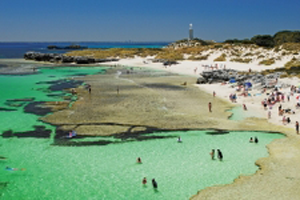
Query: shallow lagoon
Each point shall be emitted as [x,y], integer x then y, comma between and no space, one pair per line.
[111,171]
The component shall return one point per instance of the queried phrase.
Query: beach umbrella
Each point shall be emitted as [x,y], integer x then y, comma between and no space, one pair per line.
[248,84]
[232,81]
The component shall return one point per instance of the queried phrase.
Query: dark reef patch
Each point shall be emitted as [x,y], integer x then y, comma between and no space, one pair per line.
[38,132]
[7,109]
[59,85]
[25,99]
[217,132]
[165,86]
[79,74]
[37,108]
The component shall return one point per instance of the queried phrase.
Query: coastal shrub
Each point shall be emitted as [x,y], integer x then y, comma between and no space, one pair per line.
[292,63]
[115,52]
[291,46]
[240,60]
[170,55]
[286,36]
[263,40]
[260,56]
[267,62]
[248,54]
[221,58]
[193,57]
[217,46]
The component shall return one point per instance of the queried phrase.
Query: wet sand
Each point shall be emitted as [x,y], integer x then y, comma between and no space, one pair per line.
[146,101]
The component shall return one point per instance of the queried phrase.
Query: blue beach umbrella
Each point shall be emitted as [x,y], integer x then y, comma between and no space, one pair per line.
[248,84]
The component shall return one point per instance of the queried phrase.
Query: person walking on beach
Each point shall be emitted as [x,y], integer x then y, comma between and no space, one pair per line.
[220,155]
[212,154]
[214,93]
[297,127]
[154,183]
[209,107]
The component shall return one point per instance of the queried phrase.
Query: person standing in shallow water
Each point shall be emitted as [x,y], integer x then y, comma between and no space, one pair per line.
[144,181]
[220,155]
[139,160]
[255,140]
[212,154]
[209,107]
[154,183]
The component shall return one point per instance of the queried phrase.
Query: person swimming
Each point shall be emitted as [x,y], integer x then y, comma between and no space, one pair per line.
[255,140]
[154,183]
[11,169]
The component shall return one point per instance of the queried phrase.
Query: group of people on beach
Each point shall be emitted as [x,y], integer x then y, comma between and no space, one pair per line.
[214,66]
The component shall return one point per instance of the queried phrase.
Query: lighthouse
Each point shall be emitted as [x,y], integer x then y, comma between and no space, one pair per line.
[191,32]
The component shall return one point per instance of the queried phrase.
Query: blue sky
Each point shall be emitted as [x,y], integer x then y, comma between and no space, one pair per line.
[144,20]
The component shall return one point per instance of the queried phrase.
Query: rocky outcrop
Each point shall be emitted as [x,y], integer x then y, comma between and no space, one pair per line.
[61,58]
[73,46]
[218,76]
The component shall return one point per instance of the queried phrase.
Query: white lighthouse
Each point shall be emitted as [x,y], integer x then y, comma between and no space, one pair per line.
[191,32]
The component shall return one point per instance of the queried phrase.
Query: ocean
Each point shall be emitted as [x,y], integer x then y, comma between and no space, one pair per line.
[18,49]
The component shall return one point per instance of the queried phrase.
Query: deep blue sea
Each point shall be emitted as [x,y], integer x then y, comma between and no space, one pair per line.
[17,49]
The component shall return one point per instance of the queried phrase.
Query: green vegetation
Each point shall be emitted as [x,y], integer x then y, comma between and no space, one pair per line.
[205,57]
[246,60]
[267,62]
[269,41]
[283,37]
[115,52]
[221,57]
[170,55]
[263,41]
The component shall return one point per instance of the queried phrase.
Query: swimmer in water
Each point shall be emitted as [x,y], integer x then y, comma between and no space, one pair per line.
[11,169]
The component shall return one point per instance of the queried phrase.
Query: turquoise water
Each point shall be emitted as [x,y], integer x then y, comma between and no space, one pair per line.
[111,171]
[24,87]
[240,114]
